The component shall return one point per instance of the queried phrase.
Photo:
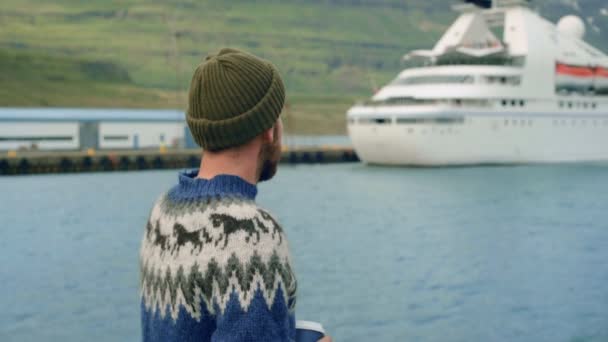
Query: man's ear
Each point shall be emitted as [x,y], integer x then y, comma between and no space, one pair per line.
[268,135]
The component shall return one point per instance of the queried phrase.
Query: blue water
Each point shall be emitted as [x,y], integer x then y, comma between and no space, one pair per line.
[382,254]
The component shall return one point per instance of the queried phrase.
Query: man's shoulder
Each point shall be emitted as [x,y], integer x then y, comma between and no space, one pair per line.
[215,224]
[235,206]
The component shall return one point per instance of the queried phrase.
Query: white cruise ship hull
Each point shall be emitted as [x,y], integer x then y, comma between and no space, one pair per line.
[534,94]
[484,138]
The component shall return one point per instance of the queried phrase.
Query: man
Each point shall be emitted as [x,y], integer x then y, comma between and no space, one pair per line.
[214,265]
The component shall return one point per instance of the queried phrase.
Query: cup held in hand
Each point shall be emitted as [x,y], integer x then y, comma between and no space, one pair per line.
[307,331]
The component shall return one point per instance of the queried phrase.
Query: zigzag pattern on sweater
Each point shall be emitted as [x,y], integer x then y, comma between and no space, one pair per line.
[215,285]
[200,253]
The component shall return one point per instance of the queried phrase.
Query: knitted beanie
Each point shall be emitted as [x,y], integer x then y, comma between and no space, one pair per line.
[234,96]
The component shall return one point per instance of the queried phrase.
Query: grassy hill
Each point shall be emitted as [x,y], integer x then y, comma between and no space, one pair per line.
[141,53]
[33,79]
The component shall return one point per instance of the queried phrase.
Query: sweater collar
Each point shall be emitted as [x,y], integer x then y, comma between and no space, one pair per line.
[221,185]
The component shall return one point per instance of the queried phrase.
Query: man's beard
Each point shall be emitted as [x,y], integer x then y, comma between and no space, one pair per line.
[270,154]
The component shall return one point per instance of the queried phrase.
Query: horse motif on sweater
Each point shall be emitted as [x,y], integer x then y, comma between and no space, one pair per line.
[226,225]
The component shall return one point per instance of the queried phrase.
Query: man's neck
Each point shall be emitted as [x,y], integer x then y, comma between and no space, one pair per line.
[236,164]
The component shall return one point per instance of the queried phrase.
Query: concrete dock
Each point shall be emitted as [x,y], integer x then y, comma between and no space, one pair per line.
[38,162]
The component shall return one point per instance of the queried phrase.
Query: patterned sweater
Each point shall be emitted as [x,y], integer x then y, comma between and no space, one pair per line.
[215,266]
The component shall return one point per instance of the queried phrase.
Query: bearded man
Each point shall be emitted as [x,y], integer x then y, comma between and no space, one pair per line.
[214,265]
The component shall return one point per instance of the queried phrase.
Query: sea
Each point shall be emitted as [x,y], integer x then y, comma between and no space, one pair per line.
[514,253]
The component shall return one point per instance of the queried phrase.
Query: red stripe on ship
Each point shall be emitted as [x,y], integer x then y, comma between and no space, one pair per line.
[575,71]
[601,72]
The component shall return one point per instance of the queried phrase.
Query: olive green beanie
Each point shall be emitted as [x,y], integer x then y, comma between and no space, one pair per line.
[234,96]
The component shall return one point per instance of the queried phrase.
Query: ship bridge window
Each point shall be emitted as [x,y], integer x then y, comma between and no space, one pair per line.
[513,103]
[434,121]
[402,101]
[435,79]
[376,121]
[502,80]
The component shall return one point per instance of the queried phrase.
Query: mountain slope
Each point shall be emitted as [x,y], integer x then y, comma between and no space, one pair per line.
[330,52]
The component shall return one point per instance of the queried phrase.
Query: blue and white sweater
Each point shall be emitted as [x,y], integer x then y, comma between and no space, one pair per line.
[215,266]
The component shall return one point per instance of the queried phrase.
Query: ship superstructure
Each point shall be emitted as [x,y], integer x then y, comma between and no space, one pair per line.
[503,85]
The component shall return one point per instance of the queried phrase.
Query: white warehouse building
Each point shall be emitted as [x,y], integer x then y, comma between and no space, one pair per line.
[78,129]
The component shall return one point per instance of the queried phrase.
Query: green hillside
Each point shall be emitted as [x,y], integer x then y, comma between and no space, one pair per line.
[32,79]
[322,47]
[142,53]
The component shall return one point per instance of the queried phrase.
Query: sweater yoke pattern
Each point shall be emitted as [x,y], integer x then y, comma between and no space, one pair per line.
[201,255]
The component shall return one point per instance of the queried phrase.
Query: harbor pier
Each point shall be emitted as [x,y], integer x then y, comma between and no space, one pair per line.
[38,162]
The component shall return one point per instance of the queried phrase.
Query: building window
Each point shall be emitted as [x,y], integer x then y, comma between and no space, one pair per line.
[115,137]
[39,138]
[522,103]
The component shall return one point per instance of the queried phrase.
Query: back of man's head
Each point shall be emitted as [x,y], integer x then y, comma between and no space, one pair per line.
[234,97]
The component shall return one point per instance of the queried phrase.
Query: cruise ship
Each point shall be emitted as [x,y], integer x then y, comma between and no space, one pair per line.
[502,86]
